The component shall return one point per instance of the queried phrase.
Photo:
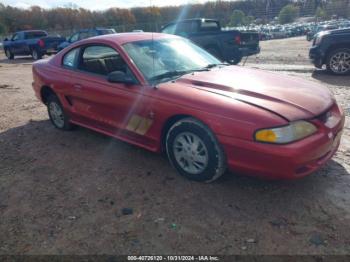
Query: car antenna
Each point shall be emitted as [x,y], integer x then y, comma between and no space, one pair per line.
[153,51]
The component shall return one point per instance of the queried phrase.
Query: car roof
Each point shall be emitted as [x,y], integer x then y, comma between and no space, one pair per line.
[122,38]
[31,31]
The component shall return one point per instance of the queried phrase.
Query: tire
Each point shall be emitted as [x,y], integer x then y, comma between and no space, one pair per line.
[57,115]
[338,61]
[36,54]
[9,54]
[236,61]
[211,160]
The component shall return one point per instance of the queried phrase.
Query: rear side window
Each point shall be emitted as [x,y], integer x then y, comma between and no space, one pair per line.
[84,35]
[69,60]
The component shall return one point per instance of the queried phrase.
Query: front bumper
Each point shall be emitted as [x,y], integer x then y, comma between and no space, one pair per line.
[316,56]
[290,161]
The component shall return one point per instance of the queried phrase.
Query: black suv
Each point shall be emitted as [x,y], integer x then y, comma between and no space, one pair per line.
[332,48]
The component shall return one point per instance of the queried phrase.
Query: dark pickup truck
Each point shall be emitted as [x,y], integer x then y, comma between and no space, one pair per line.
[31,42]
[332,48]
[229,46]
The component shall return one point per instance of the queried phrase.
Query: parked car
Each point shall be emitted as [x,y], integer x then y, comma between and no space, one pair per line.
[36,43]
[85,33]
[229,46]
[332,48]
[162,92]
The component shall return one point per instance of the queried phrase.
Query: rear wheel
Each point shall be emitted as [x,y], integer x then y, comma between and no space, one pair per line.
[56,113]
[338,61]
[194,151]
[36,54]
[9,54]
[236,61]
[214,52]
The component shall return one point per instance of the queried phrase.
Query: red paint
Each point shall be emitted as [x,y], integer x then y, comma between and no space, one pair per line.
[233,101]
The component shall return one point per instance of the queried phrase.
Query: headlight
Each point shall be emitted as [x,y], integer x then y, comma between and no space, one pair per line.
[286,134]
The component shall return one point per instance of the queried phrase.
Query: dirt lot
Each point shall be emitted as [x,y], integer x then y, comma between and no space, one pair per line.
[63,192]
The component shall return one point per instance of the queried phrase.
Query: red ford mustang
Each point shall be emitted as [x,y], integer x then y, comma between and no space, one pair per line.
[162,92]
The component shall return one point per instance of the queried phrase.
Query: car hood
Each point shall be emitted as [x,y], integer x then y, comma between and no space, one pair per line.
[288,97]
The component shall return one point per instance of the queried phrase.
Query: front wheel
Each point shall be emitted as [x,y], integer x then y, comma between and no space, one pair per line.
[36,54]
[338,61]
[236,61]
[56,113]
[9,54]
[194,151]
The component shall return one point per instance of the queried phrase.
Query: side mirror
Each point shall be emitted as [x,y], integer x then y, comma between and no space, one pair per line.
[120,77]
[6,39]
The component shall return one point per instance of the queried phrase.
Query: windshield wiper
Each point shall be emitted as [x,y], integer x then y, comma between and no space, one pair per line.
[169,74]
[175,73]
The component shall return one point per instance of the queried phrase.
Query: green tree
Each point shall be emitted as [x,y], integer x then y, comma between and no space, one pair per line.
[2,29]
[320,14]
[237,18]
[288,14]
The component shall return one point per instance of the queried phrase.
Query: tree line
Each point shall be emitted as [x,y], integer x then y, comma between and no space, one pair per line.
[59,19]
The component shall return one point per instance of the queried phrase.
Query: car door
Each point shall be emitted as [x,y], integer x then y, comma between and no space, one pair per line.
[115,108]
[15,44]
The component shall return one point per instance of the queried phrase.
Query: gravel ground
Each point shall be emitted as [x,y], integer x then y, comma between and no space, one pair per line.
[64,192]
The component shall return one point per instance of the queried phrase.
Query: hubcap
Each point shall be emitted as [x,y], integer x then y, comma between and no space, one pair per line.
[340,62]
[190,153]
[56,114]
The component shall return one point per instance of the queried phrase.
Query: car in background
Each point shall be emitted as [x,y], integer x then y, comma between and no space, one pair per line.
[229,46]
[85,33]
[36,43]
[164,93]
[332,48]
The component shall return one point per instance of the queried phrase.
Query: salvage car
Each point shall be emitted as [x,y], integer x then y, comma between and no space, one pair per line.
[163,93]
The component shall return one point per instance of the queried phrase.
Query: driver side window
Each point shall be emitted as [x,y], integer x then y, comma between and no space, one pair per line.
[15,37]
[102,60]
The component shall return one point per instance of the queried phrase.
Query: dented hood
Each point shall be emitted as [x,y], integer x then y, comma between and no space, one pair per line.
[289,97]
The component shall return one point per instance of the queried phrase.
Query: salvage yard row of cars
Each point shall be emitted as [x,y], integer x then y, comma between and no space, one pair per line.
[308,29]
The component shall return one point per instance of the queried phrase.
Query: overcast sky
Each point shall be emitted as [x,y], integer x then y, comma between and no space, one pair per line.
[96,4]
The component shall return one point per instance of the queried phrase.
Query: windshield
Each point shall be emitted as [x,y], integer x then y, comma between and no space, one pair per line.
[166,58]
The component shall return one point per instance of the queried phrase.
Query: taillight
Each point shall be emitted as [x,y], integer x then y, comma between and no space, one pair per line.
[41,43]
[238,39]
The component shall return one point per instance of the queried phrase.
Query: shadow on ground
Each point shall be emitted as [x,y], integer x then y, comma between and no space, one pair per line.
[63,192]
[325,76]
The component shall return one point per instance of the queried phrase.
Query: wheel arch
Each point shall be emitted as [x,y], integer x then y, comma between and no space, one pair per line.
[332,48]
[45,92]
[168,124]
